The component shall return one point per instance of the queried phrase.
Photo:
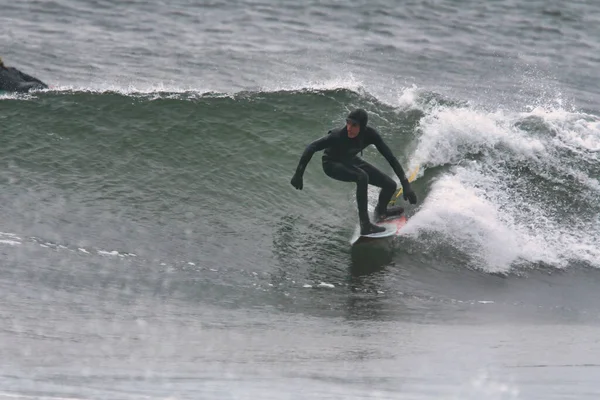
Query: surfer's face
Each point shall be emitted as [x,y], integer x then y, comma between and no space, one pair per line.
[353,128]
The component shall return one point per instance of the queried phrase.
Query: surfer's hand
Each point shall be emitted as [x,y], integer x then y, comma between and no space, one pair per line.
[297,181]
[409,194]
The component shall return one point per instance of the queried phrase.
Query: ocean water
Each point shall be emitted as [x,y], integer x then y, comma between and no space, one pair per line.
[153,247]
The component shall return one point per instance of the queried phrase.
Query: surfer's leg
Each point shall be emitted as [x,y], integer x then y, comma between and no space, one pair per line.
[388,188]
[349,173]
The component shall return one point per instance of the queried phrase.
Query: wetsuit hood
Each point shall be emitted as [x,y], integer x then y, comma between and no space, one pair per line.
[359,116]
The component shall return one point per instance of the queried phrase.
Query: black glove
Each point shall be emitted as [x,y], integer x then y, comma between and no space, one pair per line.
[297,181]
[408,193]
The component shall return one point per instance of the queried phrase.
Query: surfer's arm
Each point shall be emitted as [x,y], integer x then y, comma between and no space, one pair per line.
[384,149]
[312,148]
[386,152]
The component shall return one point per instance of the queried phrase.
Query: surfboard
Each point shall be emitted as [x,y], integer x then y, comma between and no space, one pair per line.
[392,225]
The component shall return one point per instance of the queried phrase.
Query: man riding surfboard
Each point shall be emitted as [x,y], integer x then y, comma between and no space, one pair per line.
[341,162]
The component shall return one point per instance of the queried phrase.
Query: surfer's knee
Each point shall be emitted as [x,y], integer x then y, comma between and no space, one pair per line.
[390,184]
[362,178]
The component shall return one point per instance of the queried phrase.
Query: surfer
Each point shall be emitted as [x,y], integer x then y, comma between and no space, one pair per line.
[13,80]
[341,162]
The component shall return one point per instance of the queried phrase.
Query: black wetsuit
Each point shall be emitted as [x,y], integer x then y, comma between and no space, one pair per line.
[340,161]
[13,80]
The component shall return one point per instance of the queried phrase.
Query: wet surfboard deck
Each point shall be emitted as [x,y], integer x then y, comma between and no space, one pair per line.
[393,226]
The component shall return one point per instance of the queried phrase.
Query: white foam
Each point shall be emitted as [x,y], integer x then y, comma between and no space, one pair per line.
[10,242]
[10,239]
[108,253]
[449,134]
[583,179]
[162,90]
[10,235]
[16,96]
[349,82]
[469,221]
[407,97]
[473,206]
[129,89]
[326,285]
[473,210]
[577,131]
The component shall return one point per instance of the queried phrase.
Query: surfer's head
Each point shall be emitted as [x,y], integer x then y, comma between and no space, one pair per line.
[356,121]
[1,62]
